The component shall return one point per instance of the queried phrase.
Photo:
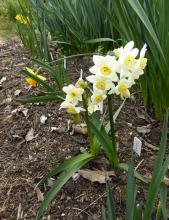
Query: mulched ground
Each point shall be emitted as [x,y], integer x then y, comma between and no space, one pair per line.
[23,163]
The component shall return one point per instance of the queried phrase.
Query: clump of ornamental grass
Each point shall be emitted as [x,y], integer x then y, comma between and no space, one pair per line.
[110,75]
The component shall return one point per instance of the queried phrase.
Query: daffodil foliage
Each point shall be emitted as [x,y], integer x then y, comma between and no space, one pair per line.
[110,75]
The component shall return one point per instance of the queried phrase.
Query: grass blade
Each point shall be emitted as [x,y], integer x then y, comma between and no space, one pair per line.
[69,171]
[125,167]
[52,71]
[104,140]
[163,200]
[159,171]
[63,166]
[39,99]
[40,81]
[98,40]
[131,194]
[116,114]
[111,212]
[135,4]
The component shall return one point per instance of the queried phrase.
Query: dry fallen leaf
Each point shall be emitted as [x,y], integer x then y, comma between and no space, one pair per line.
[51,182]
[25,111]
[43,119]
[39,195]
[96,175]
[75,176]
[59,130]
[7,100]
[166,181]
[30,135]
[80,130]
[21,109]
[3,79]
[17,92]
[143,129]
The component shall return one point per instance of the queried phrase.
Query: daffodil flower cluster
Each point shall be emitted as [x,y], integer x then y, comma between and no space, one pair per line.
[23,20]
[110,75]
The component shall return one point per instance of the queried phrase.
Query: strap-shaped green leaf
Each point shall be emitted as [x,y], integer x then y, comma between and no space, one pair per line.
[63,166]
[40,81]
[52,71]
[104,140]
[158,172]
[135,4]
[125,167]
[39,99]
[111,208]
[98,40]
[131,194]
[68,173]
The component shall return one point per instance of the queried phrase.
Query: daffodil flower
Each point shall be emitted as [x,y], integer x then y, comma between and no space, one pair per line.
[22,19]
[128,55]
[81,83]
[122,88]
[142,61]
[97,99]
[105,66]
[72,109]
[117,52]
[92,108]
[140,64]
[73,94]
[100,82]
[31,81]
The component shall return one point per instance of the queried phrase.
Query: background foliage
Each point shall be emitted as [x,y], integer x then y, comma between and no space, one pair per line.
[80,26]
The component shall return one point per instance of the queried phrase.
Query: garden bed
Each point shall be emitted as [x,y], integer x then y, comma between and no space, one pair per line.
[23,163]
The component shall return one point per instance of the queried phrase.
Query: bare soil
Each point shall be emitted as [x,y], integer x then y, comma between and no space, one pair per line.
[23,163]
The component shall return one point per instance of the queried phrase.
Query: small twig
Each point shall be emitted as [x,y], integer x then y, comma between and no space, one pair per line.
[19,211]
[79,196]
[92,203]
[104,194]
[139,164]
[83,211]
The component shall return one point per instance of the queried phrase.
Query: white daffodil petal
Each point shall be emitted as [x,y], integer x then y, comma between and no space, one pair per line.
[73,94]
[94,69]
[134,52]
[143,51]
[97,59]
[129,46]
[91,78]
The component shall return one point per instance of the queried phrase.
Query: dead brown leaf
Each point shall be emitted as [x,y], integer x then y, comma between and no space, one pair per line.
[30,135]
[39,195]
[17,92]
[79,129]
[166,181]
[96,175]
[3,79]
[144,129]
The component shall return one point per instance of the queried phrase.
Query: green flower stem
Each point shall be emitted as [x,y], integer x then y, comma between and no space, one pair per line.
[89,130]
[115,158]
